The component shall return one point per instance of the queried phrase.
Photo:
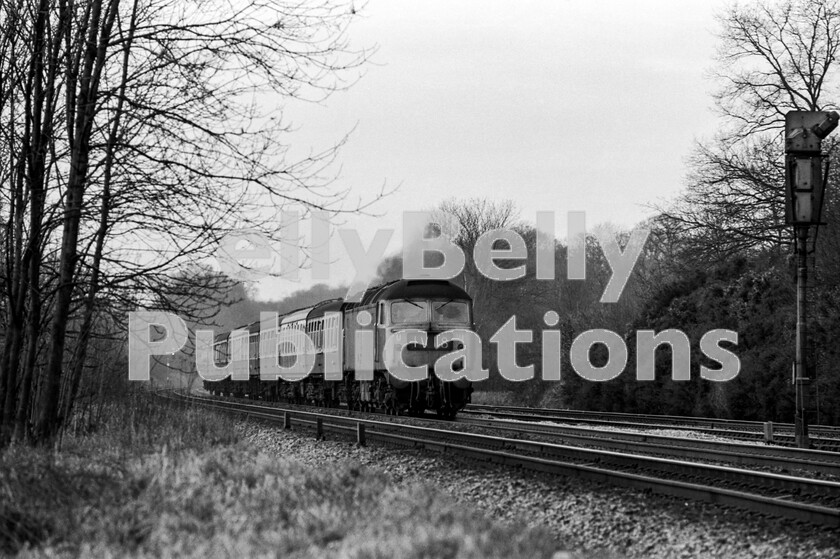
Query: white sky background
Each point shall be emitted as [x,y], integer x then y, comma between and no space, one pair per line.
[557,105]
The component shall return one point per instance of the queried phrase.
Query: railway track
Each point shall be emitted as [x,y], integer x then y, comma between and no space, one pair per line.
[822,437]
[805,499]
[777,458]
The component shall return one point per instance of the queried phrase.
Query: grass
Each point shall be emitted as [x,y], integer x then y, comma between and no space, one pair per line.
[156,480]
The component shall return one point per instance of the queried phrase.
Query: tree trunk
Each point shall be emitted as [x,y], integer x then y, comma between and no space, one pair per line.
[94,58]
[101,233]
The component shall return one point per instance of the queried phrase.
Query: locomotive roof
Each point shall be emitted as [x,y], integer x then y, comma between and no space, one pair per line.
[413,289]
[319,310]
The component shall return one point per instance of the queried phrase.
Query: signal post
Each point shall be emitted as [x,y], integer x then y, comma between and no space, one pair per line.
[805,178]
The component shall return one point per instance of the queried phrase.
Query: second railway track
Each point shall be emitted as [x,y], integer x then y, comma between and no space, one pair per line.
[779,458]
[822,437]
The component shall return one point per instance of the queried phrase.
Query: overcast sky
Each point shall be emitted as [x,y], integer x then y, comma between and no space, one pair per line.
[557,105]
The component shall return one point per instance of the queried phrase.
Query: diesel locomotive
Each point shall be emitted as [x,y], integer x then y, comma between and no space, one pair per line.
[339,332]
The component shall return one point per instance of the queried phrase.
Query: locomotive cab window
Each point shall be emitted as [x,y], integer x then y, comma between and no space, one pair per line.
[404,312]
[450,312]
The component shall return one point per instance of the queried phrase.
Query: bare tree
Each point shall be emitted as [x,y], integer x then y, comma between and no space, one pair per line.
[464,221]
[773,58]
[139,134]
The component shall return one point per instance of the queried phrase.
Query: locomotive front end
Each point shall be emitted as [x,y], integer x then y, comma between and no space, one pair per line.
[430,308]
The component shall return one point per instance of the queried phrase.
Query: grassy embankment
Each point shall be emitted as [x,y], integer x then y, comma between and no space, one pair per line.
[156,480]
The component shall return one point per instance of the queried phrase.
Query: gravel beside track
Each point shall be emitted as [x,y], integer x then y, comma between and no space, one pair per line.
[586,517]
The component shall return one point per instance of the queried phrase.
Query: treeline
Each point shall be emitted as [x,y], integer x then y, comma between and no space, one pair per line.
[672,286]
[752,297]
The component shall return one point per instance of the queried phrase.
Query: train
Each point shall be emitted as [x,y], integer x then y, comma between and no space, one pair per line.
[431,306]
